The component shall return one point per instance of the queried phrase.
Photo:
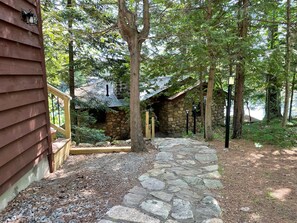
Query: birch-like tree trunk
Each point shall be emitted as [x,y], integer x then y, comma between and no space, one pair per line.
[127,23]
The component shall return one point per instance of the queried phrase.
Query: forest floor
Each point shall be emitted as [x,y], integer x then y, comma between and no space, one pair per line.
[260,186]
[260,183]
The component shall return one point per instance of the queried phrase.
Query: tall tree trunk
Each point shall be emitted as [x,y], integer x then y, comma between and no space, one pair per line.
[135,122]
[211,75]
[288,65]
[127,23]
[273,101]
[71,56]
[209,99]
[201,96]
[292,97]
[240,71]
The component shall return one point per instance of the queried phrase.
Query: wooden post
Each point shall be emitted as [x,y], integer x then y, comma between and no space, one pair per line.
[147,128]
[153,127]
[67,118]
[149,131]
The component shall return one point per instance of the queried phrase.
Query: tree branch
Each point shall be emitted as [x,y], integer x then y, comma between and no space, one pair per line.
[146,22]
[126,21]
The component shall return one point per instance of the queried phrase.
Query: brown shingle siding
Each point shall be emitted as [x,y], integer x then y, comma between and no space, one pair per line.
[24,122]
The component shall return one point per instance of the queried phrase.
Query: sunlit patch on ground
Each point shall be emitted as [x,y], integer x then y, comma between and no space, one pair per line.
[280,194]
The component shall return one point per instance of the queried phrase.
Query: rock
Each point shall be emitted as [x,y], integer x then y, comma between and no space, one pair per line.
[245,209]
[194,180]
[205,149]
[211,168]
[153,184]
[212,184]
[130,214]
[186,162]
[105,221]
[212,203]
[132,199]
[206,158]
[144,177]
[156,172]
[156,207]
[160,165]
[162,195]
[189,195]
[169,176]
[138,190]
[173,189]
[164,156]
[215,175]
[213,220]
[171,221]
[179,183]
[181,210]
[186,172]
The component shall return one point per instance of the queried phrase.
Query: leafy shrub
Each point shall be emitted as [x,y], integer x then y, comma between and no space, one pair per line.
[89,135]
[83,132]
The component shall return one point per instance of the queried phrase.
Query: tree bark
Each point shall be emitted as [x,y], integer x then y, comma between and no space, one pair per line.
[135,115]
[211,75]
[209,97]
[273,101]
[128,29]
[71,57]
[240,71]
[288,65]
[201,96]
[292,97]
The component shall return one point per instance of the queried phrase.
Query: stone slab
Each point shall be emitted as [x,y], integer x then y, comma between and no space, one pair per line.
[155,207]
[213,220]
[162,195]
[132,199]
[138,190]
[181,210]
[213,184]
[179,183]
[211,168]
[153,184]
[206,158]
[130,214]
[164,156]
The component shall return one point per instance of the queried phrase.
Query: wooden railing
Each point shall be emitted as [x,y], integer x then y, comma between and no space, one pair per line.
[59,106]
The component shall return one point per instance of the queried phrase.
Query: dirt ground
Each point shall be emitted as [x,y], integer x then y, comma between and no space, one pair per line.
[82,191]
[260,184]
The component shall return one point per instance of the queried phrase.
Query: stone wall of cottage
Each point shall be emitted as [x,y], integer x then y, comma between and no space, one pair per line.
[172,115]
[117,124]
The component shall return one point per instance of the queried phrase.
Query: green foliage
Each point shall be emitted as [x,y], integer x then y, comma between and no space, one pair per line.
[88,135]
[83,131]
[271,133]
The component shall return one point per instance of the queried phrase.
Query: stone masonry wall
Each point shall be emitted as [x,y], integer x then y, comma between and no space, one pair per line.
[117,125]
[172,115]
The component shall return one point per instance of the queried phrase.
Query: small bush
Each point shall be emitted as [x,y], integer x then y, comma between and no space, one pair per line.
[271,133]
[88,135]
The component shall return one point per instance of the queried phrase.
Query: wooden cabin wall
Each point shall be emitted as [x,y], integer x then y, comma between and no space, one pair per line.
[24,122]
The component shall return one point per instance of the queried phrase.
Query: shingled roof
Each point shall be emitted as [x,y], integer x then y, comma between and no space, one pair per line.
[95,91]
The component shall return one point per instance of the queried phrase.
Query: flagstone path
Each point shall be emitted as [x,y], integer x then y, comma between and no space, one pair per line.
[177,189]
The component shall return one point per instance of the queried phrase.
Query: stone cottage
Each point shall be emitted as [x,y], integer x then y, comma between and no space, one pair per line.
[166,102]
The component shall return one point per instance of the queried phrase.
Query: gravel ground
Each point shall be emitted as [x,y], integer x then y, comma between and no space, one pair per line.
[82,191]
